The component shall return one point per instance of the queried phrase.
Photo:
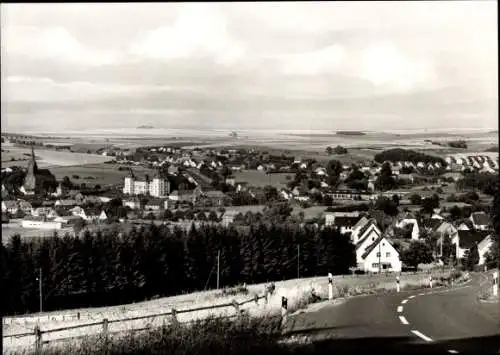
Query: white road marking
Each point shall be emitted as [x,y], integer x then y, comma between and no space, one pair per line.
[403,320]
[411,297]
[404,301]
[400,309]
[453,351]
[421,336]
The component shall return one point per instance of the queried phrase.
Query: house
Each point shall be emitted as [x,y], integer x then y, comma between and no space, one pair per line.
[483,247]
[365,230]
[407,178]
[415,232]
[154,205]
[480,220]
[25,206]
[40,223]
[103,216]
[463,227]
[215,197]
[66,203]
[228,217]
[344,224]
[378,255]
[465,239]
[10,206]
[44,212]
[68,220]
[285,194]
[133,203]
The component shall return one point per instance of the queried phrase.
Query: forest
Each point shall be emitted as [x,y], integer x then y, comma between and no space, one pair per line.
[113,267]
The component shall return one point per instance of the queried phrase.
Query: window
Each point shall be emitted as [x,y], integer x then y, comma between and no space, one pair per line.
[378,255]
[388,255]
[375,265]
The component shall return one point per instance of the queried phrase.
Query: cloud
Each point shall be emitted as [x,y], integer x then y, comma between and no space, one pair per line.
[199,31]
[51,43]
[241,60]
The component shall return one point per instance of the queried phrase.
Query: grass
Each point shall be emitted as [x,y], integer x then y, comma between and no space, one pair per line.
[211,336]
[260,179]
[102,174]
[51,158]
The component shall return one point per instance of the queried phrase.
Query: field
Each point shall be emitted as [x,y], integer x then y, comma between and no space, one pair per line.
[51,158]
[14,227]
[260,179]
[102,174]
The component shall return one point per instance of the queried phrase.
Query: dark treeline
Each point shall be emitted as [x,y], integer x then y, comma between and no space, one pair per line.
[398,154]
[109,268]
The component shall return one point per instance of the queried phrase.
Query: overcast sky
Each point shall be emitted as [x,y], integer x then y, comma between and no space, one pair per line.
[337,65]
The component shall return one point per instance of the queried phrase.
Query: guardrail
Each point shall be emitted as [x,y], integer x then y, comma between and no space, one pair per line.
[102,327]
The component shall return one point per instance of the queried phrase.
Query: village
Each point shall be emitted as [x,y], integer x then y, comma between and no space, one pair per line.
[384,205]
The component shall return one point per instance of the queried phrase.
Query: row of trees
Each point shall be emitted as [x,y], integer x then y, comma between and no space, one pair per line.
[109,268]
[400,155]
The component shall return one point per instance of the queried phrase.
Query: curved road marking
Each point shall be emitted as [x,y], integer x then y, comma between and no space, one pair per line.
[416,332]
[421,336]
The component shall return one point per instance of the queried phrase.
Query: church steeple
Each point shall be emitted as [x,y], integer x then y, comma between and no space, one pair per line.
[30,179]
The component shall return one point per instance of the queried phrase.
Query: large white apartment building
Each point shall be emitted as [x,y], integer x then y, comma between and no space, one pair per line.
[157,187]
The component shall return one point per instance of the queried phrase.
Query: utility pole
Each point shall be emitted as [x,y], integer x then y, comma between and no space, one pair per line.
[379,257]
[40,288]
[218,267]
[298,260]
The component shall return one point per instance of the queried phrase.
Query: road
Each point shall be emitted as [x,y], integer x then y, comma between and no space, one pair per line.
[437,321]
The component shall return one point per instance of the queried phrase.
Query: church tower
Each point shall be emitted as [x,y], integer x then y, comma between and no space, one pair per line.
[30,179]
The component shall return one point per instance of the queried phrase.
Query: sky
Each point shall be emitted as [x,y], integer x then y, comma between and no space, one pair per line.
[282,65]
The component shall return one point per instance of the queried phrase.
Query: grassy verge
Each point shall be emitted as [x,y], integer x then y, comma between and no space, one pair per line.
[211,336]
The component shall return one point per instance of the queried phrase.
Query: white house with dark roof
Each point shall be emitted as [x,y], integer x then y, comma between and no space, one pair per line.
[10,206]
[465,239]
[480,220]
[483,247]
[374,255]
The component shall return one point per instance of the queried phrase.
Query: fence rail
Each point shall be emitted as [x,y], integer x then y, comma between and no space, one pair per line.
[38,333]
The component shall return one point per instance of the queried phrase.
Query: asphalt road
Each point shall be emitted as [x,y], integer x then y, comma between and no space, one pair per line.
[439,320]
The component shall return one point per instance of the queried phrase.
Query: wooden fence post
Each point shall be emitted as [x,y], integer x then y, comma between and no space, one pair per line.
[38,338]
[105,327]
[256,298]
[175,321]
[236,306]
[284,311]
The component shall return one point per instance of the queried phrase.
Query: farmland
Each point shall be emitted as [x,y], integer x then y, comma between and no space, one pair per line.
[261,179]
[50,158]
[102,174]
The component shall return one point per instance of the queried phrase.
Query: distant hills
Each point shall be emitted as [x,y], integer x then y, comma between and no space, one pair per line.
[350,133]
[145,127]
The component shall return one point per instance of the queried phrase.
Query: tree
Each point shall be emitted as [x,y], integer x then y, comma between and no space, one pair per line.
[415,199]
[329,150]
[387,206]
[471,258]
[430,203]
[417,253]
[334,168]
[448,248]
[385,181]
[340,150]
